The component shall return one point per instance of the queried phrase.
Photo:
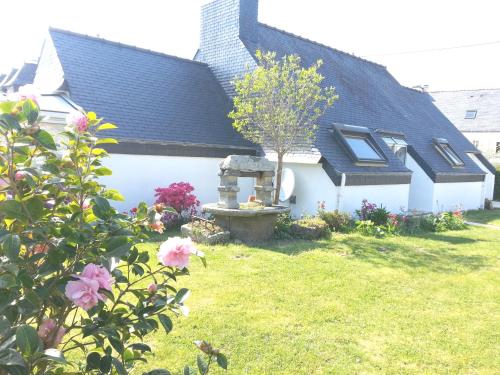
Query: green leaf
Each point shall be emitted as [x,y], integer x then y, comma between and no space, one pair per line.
[189,371]
[93,361]
[103,171]
[9,122]
[35,207]
[45,139]
[202,365]
[142,211]
[7,281]
[13,210]
[10,360]
[116,344]
[166,322]
[114,195]
[141,347]
[222,361]
[31,111]
[120,369]
[27,340]
[106,141]
[101,207]
[7,107]
[106,126]
[105,365]
[181,295]
[11,244]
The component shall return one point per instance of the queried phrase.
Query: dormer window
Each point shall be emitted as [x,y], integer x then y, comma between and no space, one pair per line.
[360,145]
[444,148]
[470,114]
[398,145]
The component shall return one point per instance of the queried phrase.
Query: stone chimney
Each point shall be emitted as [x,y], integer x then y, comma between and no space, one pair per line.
[225,24]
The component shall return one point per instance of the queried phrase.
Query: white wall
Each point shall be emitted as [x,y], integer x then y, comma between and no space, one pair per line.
[312,184]
[489,181]
[393,197]
[136,177]
[421,187]
[457,195]
[487,144]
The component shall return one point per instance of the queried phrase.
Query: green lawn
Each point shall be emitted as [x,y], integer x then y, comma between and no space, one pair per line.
[426,304]
[484,216]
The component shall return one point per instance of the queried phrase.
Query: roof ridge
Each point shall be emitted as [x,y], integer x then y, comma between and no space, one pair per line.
[119,44]
[322,45]
[462,90]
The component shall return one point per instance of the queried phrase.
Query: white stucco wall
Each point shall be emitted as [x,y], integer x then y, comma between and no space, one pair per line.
[136,177]
[312,184]
[489,181]
[421,187]
[457,195]
[487,144]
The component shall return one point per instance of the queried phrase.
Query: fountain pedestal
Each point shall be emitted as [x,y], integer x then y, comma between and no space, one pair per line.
[247,225]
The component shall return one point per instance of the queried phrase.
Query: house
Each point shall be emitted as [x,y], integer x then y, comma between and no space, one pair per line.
[380,141]
[476,113]
[16,78]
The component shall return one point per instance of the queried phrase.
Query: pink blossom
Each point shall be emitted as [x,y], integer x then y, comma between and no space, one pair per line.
[78,120]
[84,292]
[175,252]
[3,184]
[40,248]
[20,175]
[50,333]
[152,288]
[98,273]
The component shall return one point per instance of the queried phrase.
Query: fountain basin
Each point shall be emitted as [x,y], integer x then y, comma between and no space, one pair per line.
[247,225]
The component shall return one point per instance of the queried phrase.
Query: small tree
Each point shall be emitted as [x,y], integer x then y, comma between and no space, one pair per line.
[277,105]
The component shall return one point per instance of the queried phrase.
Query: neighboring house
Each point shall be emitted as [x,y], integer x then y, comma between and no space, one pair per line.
[380,141]
[18,77]
[476,113]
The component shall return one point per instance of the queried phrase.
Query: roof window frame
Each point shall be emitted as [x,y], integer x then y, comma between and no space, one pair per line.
[448,152]
[473,115]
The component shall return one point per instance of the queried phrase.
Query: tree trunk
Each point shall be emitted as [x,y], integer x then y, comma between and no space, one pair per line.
[278,179]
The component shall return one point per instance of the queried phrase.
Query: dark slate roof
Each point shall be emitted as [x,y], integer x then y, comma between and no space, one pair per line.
[7,77]
[23,76]
[149,95]
[371,97]
[486,102]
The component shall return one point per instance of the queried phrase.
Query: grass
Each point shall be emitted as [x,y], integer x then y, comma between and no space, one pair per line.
[491,217]
[426,304]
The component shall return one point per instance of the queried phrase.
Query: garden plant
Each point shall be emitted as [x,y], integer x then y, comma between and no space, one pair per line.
[76,293]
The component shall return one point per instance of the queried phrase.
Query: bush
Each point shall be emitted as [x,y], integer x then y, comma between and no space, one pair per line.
[496,193]
[444,221]
[337,221]
[370,211]
[310,228]
[282,227]
[74,285]
[180,197]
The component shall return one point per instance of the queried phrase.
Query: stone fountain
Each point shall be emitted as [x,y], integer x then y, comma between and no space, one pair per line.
[246,222]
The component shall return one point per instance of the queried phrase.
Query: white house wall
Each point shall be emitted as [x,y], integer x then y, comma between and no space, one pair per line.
[136,177]
[489,181]
[421,187]
[393,197]
[457,195]
[486,143]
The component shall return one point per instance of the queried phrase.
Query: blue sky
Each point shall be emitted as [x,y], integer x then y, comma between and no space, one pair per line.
[378,30]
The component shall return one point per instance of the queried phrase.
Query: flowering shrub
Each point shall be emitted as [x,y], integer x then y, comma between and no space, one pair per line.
[370,211]
[180,197]
[444,221]
[72,280]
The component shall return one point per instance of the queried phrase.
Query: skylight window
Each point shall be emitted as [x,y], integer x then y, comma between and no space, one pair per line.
[359,144]
[447,151]
[470,114]
[398,146]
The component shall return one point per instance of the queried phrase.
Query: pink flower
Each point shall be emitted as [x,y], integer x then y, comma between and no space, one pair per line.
[40,248]
[20,175]
[175,252]
[99,274]
[152,288]
[3,184]
[78,120]
[50,333]
[84,292]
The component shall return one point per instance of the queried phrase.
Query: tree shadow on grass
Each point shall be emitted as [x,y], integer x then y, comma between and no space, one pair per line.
[389,252]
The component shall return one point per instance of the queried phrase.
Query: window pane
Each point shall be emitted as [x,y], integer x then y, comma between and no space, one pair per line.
[451,154]
[389,141]
[401,153]
[362,149]
[471,114]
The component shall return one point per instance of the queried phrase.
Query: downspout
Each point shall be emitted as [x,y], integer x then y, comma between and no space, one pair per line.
[340,192]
